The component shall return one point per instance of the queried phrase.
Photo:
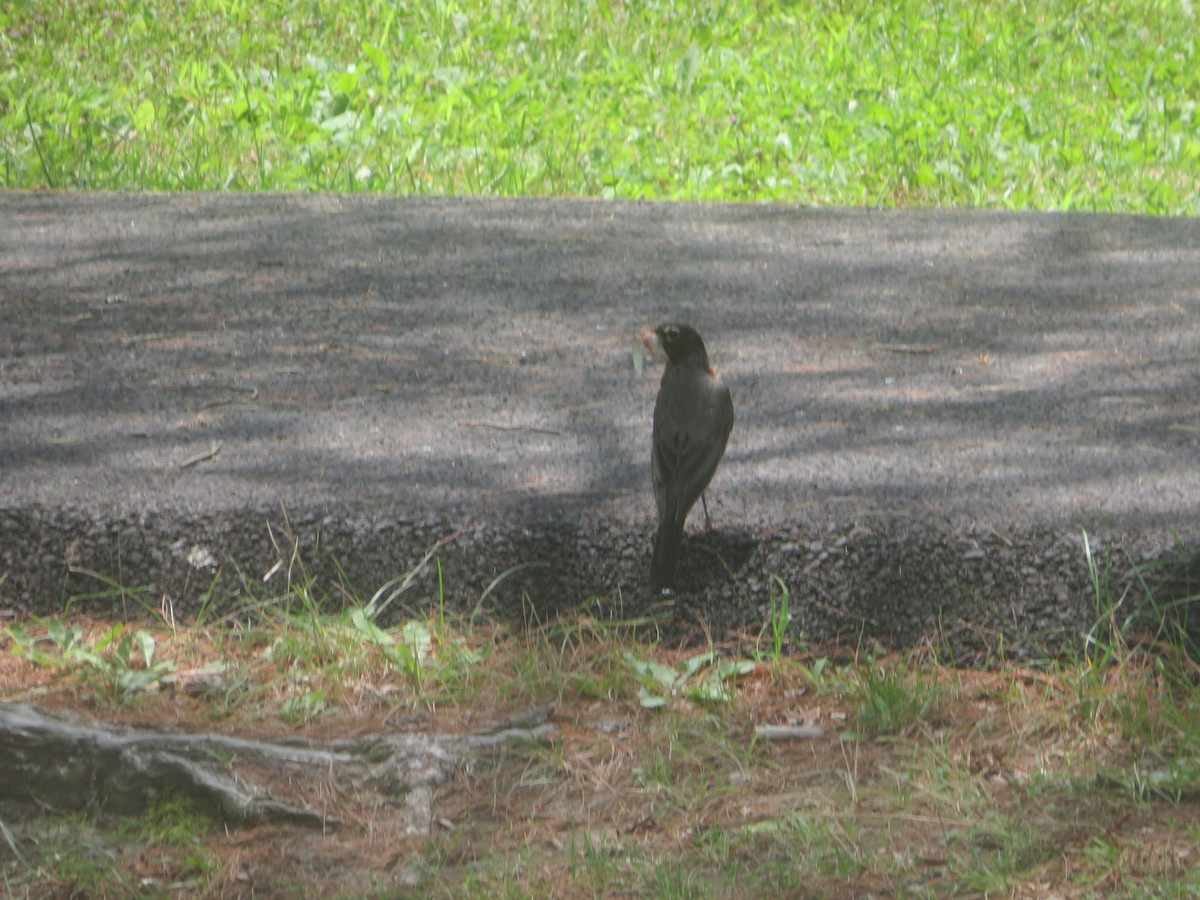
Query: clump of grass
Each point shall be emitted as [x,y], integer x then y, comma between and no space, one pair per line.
[1134,685]
[892,699]
[173,823]
[72,858]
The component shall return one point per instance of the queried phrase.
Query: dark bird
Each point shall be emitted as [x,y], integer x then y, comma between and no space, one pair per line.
[693,416]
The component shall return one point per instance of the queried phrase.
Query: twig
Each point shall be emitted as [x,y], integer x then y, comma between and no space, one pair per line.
[252,391]
[532,429]
[918,349]
[210,453]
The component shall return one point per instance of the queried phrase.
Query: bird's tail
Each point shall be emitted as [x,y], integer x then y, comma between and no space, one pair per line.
[668,545]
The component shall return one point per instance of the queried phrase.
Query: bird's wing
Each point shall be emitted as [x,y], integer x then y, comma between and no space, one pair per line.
[689,459]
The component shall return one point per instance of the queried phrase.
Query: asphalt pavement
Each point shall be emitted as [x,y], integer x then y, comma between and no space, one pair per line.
[203,396]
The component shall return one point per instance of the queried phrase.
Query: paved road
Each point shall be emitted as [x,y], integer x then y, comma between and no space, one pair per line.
[931,407]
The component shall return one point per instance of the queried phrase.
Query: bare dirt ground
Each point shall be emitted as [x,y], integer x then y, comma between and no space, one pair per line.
[1003,784]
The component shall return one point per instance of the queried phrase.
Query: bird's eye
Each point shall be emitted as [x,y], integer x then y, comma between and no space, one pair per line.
[671,333]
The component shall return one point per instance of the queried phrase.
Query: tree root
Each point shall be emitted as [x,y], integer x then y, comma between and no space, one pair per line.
[66,763]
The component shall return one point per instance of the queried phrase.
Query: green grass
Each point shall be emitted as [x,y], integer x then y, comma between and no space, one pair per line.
[1050,105]
[890,700]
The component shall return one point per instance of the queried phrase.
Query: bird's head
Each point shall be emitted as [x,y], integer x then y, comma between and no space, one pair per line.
[680,341]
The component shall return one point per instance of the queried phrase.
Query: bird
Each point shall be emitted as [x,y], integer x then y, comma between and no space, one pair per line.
[693,416]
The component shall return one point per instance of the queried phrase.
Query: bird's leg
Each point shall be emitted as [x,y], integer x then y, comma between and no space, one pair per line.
[704,503]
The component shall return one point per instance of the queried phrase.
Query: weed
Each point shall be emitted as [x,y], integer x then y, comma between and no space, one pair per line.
[108,662]
[780,619]
[704,677]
